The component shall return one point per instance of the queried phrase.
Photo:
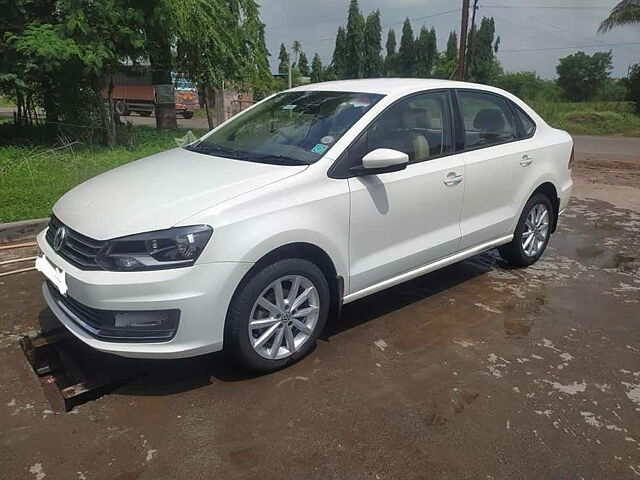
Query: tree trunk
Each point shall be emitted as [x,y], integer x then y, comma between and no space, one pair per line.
[111,128]
[165,104]
[207,91]
[220,107]
[104,117]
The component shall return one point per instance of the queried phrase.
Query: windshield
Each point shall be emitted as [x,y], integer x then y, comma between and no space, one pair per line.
[293,128]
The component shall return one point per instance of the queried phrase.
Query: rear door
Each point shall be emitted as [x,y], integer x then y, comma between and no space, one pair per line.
[406,219]
[496,164]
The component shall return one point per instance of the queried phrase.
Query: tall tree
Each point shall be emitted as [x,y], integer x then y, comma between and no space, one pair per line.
[219,42]
[372,46]
[426,52]
[354,61]
[581,75]
[482,63]
[338,62]
[159,26]
[317,70]
[626,12]
[451,53]
[303,64]
[406,54]
[391,60]
[283,60]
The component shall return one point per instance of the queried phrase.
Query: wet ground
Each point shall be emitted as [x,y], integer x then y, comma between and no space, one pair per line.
[475,371]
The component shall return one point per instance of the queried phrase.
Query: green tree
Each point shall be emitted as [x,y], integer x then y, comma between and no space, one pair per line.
[317,71]
[426,52]
[218,42]
[580,75]
[354,61]
[406,54]
[391,60]
[372,46]
[626,12]
[526,85]
[283,60]
[451,53]
[303,64]
[338,62]
[447,62]
[482,63]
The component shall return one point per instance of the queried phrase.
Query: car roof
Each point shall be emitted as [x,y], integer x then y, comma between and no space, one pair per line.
[389,86]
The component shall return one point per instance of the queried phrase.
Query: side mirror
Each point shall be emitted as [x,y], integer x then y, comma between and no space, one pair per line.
[381,160]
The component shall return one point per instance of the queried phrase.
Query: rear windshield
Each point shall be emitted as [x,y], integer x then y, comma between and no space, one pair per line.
[292,128]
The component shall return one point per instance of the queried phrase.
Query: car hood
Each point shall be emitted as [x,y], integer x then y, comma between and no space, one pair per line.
[157,192]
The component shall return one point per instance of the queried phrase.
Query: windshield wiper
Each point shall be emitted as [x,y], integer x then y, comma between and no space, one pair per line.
[216,150]
[275,158]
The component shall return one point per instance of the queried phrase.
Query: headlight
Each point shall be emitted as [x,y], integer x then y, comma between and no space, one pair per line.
[172,248]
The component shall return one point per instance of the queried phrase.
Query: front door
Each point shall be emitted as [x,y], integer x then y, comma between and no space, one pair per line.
[403,220]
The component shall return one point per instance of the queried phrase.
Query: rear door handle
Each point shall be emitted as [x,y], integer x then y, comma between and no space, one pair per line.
[526,160]
[452,179]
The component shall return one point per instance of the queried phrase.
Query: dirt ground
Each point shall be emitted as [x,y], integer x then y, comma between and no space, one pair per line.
[476,371]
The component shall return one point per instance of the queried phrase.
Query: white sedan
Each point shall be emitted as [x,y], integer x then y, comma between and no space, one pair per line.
[249,238]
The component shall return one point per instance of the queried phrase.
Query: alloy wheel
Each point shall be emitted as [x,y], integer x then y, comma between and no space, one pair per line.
[283,317]
[536,230]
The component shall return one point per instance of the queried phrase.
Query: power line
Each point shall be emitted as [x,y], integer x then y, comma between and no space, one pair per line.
[550,7]
[424,17]
[561,31]
[567,47]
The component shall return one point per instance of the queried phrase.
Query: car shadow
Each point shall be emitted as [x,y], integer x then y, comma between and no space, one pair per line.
[169,377]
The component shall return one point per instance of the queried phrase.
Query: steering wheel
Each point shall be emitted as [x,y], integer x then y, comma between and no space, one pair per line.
[279,133]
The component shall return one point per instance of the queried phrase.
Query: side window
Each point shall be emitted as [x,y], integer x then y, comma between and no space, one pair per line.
[488,120]
[418,126]
[528,126]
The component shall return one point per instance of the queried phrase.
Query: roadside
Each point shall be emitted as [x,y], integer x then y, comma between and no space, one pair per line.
[475,371]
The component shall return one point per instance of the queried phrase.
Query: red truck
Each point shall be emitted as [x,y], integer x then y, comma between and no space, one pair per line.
[134,92]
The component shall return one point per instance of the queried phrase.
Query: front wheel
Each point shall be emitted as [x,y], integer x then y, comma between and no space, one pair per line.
[275,319]
[532,233]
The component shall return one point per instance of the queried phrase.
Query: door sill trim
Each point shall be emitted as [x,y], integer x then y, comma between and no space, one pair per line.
[429,267]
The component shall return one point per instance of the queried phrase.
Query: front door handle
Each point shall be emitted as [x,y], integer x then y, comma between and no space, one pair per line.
[526,160]
[452,179]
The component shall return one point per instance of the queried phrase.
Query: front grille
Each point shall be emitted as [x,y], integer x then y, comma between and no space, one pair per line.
[77,249]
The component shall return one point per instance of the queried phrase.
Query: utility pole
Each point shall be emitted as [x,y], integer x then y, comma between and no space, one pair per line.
[289,67]
[463,40]
[470,52]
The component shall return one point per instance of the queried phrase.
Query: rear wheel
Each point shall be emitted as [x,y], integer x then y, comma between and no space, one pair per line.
[187,115]
[275,319]
[120,107]
[532,233]
[145,113]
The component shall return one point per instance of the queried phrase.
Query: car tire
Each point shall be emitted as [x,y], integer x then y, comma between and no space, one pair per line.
[121,108]
[532,233]
[252,331]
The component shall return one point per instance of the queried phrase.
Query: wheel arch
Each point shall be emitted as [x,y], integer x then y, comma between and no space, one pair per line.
[306,251]
[549,190]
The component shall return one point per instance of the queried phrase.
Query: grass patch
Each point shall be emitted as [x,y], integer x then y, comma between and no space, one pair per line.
[591,118]
[33,177]
[6,102]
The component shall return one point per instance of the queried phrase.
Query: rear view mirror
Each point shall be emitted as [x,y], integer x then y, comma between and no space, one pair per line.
[381,160]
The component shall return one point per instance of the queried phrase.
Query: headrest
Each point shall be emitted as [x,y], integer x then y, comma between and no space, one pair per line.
[489,120]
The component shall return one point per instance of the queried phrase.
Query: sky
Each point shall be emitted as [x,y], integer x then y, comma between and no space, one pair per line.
[523,25]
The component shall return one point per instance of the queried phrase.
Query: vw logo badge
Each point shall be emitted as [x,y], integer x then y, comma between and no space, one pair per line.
[58,239]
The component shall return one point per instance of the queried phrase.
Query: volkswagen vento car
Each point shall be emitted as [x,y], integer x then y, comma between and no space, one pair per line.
[249,238]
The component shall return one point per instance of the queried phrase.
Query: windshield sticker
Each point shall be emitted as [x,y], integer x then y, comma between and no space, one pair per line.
[327,139]
[289,107]
[319,148]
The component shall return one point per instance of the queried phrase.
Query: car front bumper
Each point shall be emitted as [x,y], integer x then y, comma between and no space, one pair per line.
[200,293]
